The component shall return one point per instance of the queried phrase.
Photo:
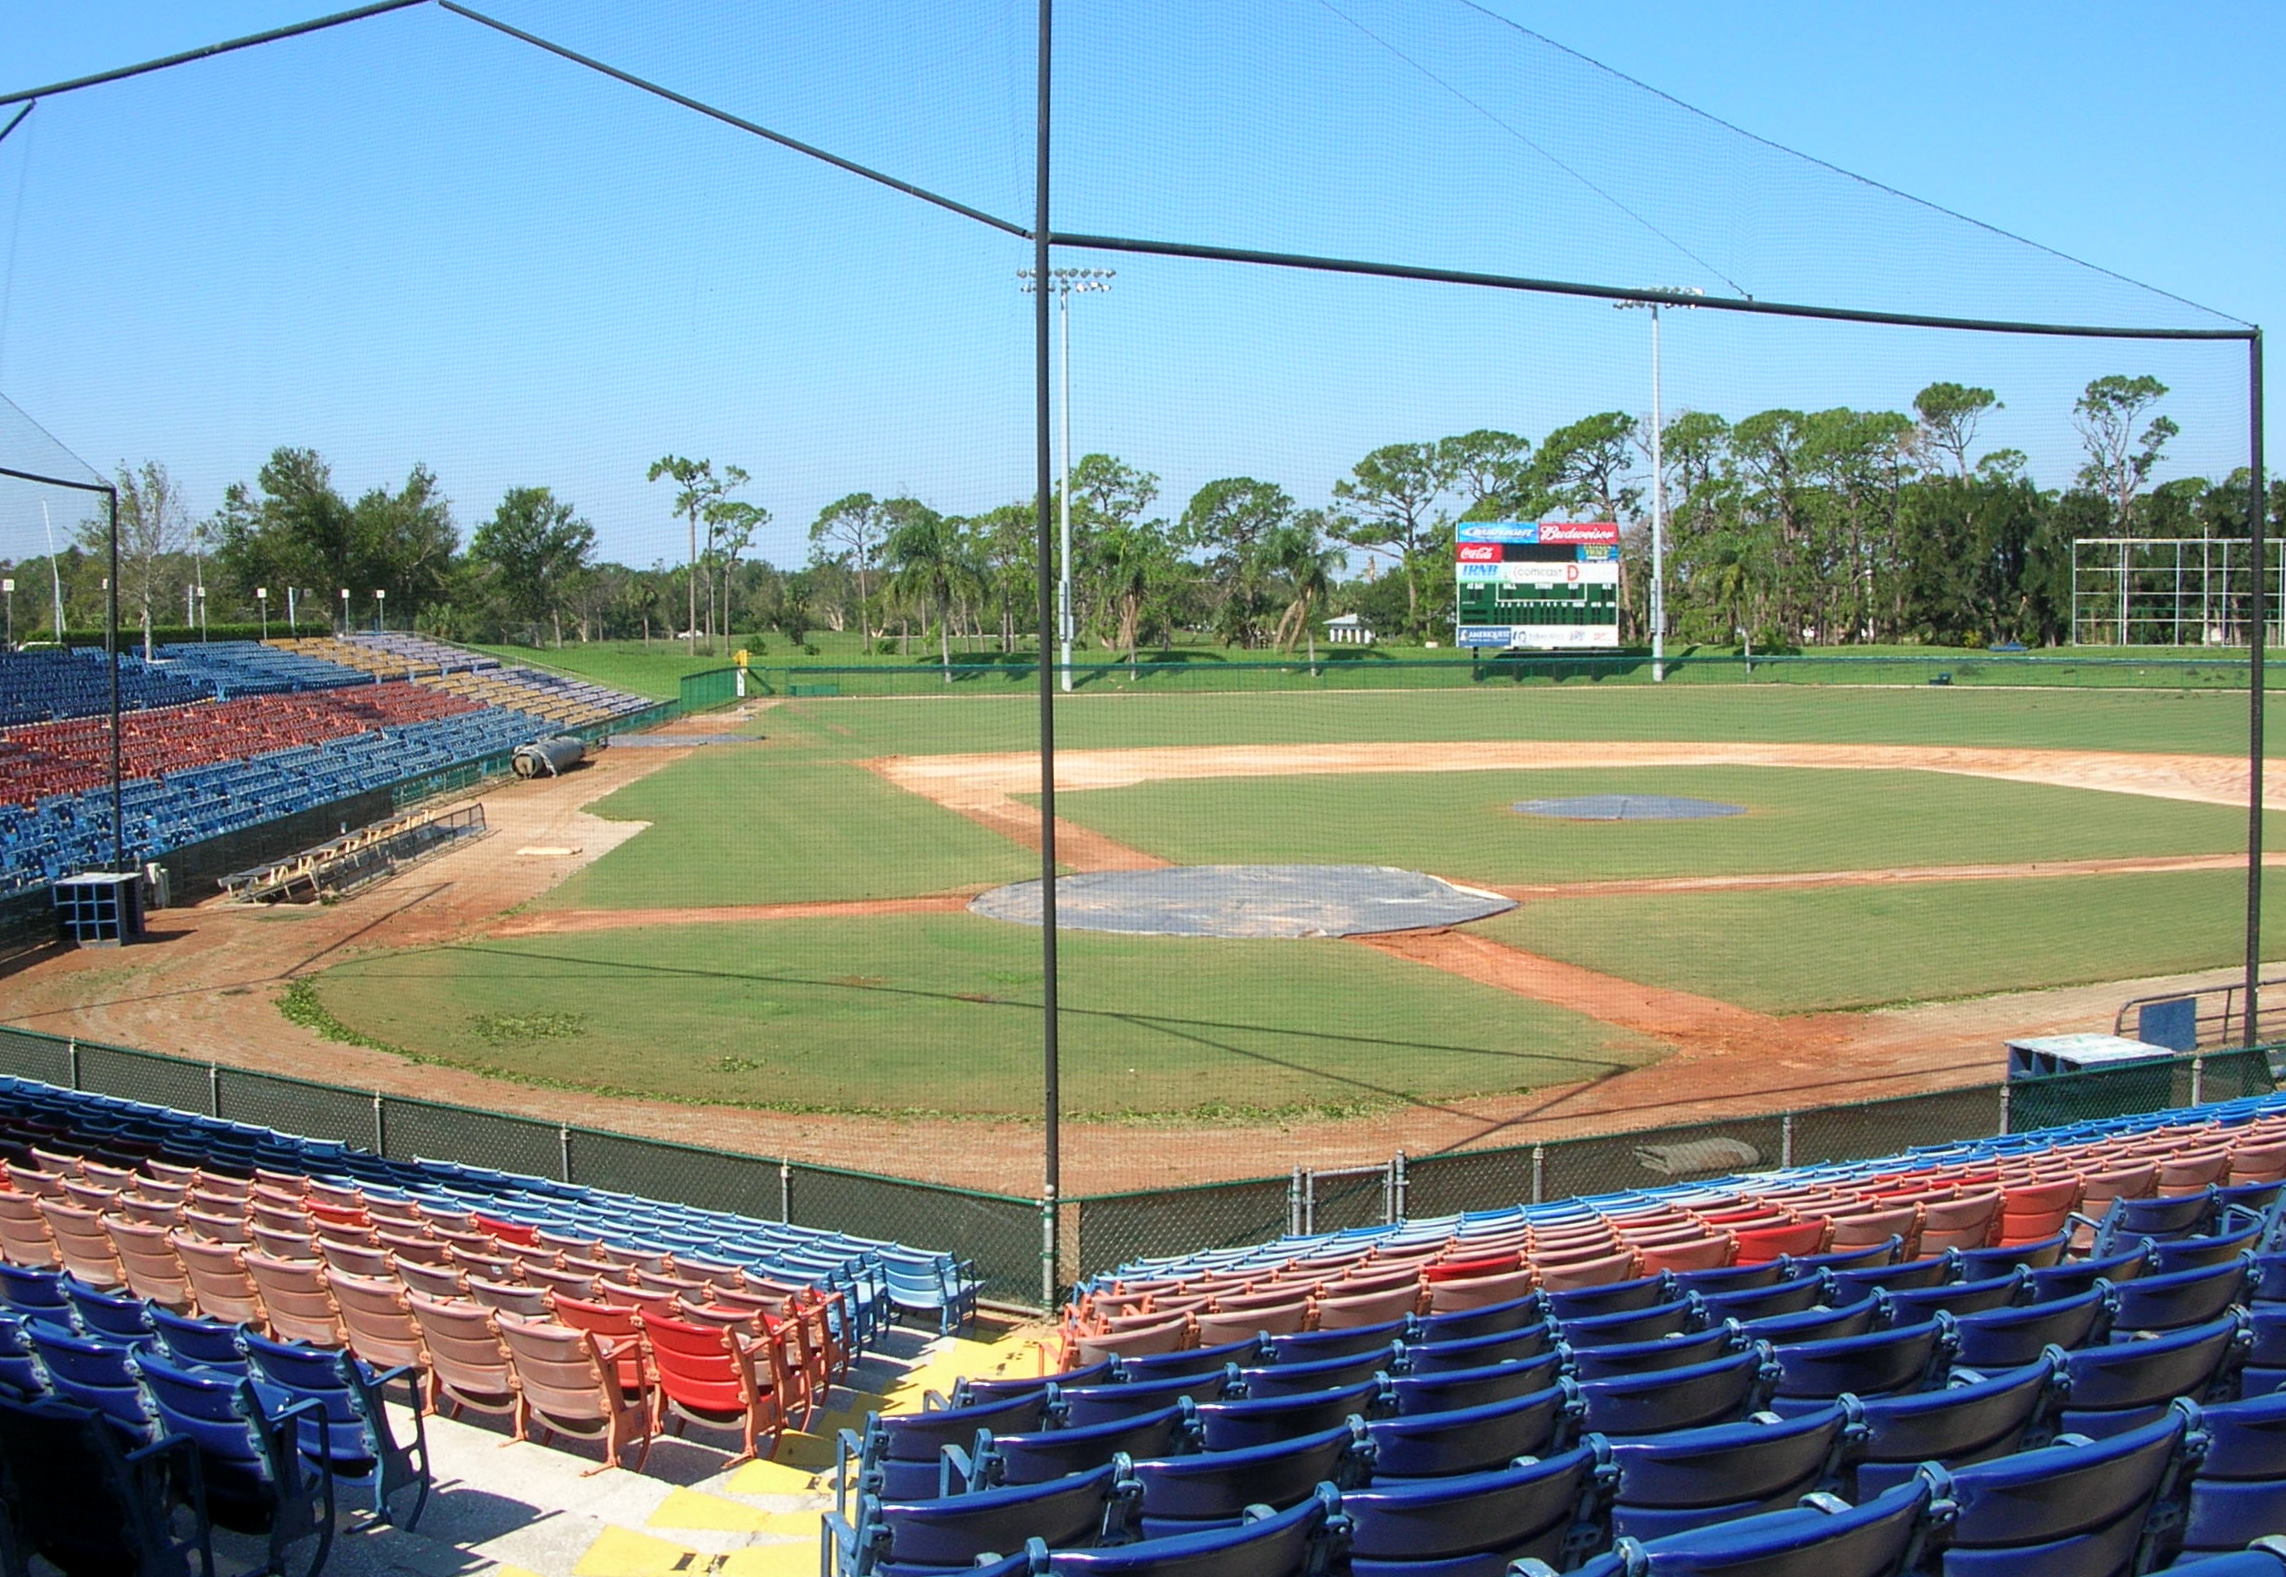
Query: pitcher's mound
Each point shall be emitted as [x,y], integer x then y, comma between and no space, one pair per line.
[1247,901]
[1628,807]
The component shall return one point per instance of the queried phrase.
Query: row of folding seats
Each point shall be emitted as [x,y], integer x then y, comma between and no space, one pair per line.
[874,1280]
[1947,1195]
[1668,1467]
[230,668]
[38,686]
[2188,1484]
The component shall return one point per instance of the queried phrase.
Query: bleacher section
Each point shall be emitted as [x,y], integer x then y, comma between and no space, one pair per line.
[390,655]
[2059,1352]
[39,686]
[305,722]
[159,1268]
[236,668]
[569,703]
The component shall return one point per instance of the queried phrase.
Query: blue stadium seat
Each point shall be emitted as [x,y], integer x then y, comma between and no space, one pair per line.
[1236,1425]
[1473,1524]
[1912,1305]
[2186,1297]
[1880,1363]
[1083,1405]
[2238,1493]
[1627,1326]
[1454,1388]
[1296,1542]
[1824,1537]
[2130,1221]
[1214,1488]
[2119,1386]
[1974,1418]
[897,1456]
[1474,1439]
[1294,1379]
[1692,1478]
[949,1533]
[1754,1303]
[1669,1352]
[1718,1392]
[255,1479]
[2079,1506]
[1311,1346]
[1151,1368]
[1035,1456]
[346,1431]
[2010,1337]
[1474,1352]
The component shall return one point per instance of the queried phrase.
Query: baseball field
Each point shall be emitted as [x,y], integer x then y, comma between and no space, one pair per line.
[786,928]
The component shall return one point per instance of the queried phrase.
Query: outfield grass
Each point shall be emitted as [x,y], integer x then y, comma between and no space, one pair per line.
[1462,824]
[793,820]
[2198,722]
[940,1014]
[1862,947]
[740,825]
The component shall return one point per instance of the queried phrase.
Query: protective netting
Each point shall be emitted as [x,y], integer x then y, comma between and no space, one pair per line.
[747,304]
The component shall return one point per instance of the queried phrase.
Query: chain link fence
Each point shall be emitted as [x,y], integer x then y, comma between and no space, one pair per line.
[1002,1233]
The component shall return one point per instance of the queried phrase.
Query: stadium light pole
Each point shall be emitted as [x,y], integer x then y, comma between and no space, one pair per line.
[1064,281]
[1658,491]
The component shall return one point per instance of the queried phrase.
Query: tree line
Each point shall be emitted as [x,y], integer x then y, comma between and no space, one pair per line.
[1784,527]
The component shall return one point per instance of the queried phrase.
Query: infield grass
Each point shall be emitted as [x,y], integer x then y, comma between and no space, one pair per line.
[736,825]
[1462,825]
[1863,947]
[940,1014]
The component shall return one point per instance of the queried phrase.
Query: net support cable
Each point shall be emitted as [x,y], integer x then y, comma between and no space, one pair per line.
[1044,238]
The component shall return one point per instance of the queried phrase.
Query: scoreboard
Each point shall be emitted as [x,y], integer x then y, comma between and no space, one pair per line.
[1553,585]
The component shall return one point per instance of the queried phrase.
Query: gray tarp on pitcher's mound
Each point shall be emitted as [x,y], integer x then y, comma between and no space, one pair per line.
[1247,901]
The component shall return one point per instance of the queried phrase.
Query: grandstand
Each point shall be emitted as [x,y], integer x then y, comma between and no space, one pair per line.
[2057,1351]
[220,738]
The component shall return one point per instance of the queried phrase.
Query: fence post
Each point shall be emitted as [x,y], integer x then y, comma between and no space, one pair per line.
[71,1062]
[1048,1278]
[1785,1139]
[1539,1173]
[785,1188]
[380,1125]
[214,1090]
[2199,1079]
[1397,1188]
[2003,1106]
[1294,1203]
[563,1153]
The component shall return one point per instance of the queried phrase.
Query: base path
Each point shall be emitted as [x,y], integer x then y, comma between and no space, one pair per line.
[972,783]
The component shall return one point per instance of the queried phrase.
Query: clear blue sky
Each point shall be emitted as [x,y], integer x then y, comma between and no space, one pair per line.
[412,240]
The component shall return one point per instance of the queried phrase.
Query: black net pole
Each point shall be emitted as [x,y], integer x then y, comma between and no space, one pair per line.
[1051,1080]
[111,649]
[2258,529]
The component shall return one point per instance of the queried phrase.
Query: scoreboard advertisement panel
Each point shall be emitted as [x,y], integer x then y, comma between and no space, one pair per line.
[1553,585]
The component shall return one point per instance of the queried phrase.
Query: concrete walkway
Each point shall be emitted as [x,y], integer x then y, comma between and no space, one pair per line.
[523,1509]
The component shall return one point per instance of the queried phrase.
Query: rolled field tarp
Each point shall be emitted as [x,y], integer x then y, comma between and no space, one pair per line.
[548,757]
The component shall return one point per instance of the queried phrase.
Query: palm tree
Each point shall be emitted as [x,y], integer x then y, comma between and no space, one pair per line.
[1299,556]
[933,565]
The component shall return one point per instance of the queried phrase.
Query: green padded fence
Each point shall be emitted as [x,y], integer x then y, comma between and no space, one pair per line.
[1354,670]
